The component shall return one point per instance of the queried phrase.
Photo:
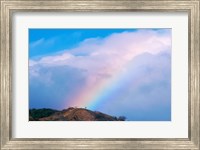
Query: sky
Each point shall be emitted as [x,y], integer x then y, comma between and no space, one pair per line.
[120,72]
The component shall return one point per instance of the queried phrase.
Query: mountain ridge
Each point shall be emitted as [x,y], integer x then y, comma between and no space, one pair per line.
[71,114]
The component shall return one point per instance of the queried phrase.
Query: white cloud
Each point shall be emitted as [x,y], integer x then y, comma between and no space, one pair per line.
[145,91]
[42,42]
[36,43]
[112,52]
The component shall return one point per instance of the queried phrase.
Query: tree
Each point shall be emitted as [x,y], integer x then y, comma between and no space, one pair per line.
[122,118]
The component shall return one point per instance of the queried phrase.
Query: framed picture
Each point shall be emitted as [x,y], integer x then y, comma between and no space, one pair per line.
[99,74]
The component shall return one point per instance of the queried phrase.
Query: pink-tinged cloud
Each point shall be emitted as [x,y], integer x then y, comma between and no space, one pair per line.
[105,55]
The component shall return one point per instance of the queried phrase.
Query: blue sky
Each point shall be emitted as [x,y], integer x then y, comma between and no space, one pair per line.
[49,41]
[121,72]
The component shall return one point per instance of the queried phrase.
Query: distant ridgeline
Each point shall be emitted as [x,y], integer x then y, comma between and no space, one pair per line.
[70,114]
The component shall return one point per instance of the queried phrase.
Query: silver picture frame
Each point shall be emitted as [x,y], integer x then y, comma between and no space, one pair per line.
[9,7]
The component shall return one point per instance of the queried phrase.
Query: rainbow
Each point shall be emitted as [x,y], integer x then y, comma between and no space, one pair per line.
[93,96]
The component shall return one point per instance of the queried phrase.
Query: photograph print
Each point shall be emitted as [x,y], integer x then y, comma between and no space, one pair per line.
[100,74]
